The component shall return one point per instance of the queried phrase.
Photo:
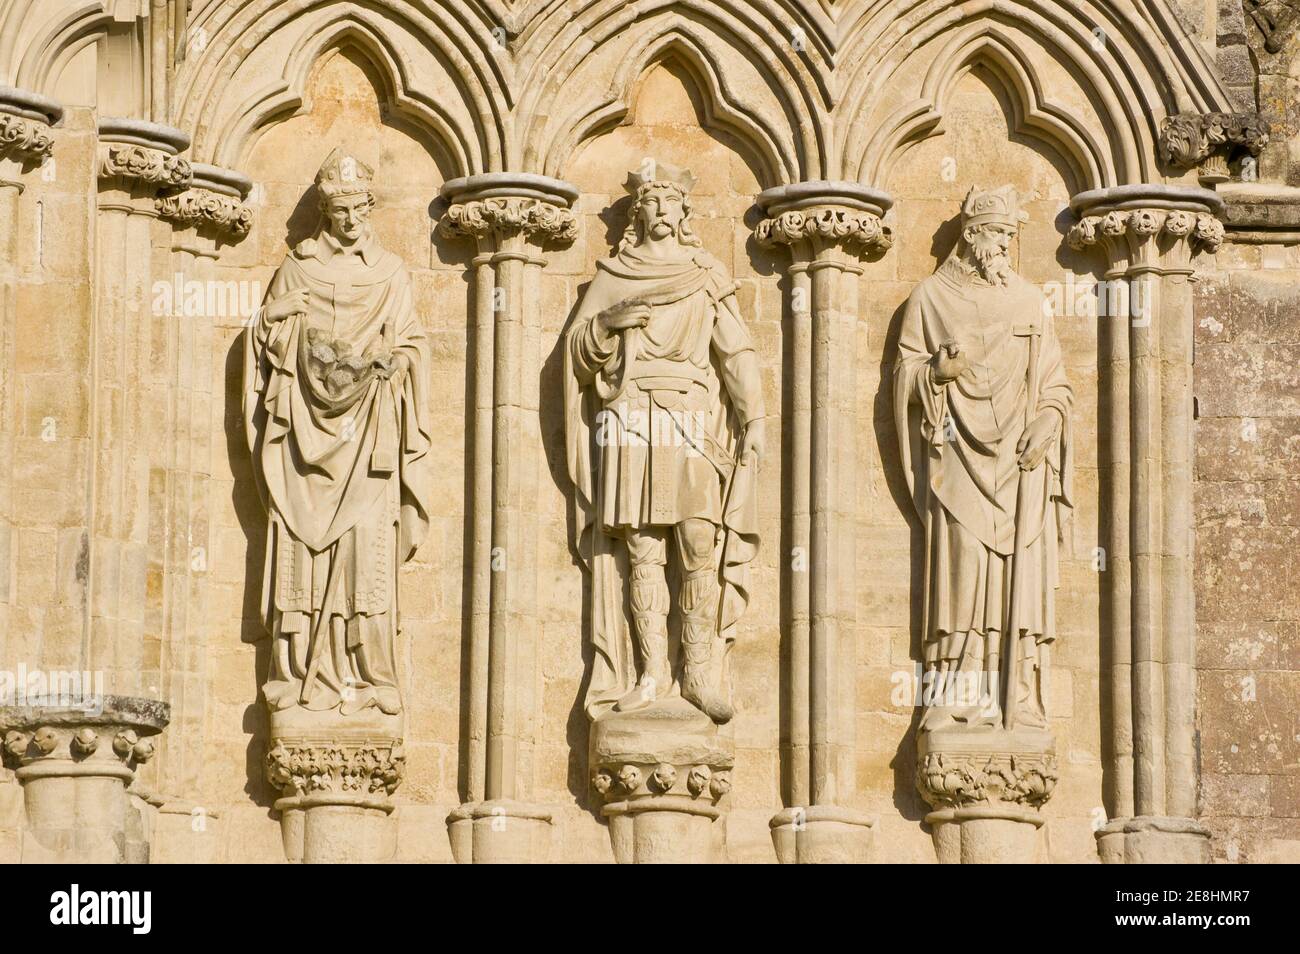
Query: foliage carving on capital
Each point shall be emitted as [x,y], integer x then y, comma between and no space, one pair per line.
[949,780]
[206,209]
[149,166]
[859,232]
[24,139]
[368,768]
[1119,229]
[480,217]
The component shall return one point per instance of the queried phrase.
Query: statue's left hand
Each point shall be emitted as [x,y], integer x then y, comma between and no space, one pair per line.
[1037,439]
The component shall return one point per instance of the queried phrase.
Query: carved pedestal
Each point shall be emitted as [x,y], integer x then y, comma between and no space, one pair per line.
[337,777]
[986,787]
[74,765]
[663,773]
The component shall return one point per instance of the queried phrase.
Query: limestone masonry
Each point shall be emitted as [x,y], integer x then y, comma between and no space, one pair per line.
[649,431]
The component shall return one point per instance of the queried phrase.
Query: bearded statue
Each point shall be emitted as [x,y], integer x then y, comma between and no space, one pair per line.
[982,407]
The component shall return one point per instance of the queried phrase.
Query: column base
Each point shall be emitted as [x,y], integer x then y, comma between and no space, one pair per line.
[662,772]
[500,832]
[821,835]
[74,766]
[1153,840]
[985,835]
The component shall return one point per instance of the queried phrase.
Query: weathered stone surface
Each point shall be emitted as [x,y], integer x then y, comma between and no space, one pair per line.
[148,195]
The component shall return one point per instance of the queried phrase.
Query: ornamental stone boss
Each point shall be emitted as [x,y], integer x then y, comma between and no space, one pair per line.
[664,415]
[333,406]
[983,408]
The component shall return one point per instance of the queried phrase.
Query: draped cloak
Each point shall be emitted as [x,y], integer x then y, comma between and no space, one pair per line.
[344,475]
[958,446]
[619,387]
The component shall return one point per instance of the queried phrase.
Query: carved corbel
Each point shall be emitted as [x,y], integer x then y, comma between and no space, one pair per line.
[1212,141]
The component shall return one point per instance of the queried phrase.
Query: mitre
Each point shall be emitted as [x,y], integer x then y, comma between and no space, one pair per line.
[986,206]
[344,174]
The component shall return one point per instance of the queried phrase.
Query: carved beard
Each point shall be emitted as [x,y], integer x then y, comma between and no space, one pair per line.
[991,262]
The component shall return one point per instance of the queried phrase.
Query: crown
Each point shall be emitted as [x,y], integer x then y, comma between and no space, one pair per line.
[343,174]
[1000,205]
[653,172]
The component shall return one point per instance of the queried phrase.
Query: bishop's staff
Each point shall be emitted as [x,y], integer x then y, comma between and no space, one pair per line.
[1011,658]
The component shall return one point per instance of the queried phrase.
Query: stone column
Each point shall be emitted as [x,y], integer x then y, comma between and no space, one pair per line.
[1149,234]
[830,227]
[25,144]
[513,218]
[138,161]
[205,219]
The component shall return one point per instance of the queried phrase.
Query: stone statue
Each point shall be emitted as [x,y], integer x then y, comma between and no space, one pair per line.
[983,408]
[664,413]
[333,404]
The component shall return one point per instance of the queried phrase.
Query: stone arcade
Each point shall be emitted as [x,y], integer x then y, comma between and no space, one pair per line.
[673,430]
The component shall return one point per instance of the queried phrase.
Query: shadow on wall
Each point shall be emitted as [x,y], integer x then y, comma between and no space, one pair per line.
[907,800]
[577,728]
[252,521]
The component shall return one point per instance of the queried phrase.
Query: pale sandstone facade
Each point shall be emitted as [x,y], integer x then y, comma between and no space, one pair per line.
[832,143]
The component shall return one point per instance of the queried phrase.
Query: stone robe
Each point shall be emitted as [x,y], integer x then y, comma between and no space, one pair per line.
[343,470]
[958,445]
[654,416]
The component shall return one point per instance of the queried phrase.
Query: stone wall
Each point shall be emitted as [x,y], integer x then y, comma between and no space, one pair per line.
[133,534]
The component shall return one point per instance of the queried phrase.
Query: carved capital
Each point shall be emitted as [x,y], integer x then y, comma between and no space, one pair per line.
[857,232]
[24,139]
[149,167]
[1125,231]
[1148,229]
[501,205]
[109,740]
[701,782]
[959,780]
[825,217]
[207,210]
[480,218]
[139,156]
[304,767]
[25,121]
[1211,140]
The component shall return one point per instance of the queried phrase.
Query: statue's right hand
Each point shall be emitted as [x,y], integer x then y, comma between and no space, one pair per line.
[949,362]
[290,303]
[631,313]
